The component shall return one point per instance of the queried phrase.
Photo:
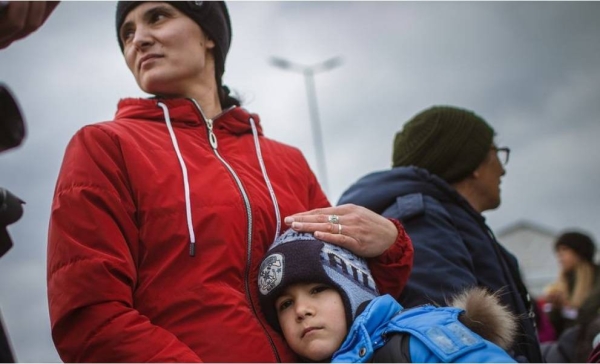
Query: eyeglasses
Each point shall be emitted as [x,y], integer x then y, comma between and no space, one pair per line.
[503,154]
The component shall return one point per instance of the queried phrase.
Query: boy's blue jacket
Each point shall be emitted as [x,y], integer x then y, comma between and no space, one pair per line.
[436,335]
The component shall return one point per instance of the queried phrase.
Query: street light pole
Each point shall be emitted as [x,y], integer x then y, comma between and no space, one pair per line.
[309,78]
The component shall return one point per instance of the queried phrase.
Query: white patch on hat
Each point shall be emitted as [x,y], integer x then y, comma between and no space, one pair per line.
[291,236]
[270,273]
[350,266]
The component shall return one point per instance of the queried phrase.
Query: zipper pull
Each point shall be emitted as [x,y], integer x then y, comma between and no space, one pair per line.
[212,138]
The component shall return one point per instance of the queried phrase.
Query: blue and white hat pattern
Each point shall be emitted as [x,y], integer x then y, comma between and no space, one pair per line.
[301,258]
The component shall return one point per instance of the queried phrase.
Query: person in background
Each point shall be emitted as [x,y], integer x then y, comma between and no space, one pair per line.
[18,19]
[578,274]
[161,216]
[325,302]
[446,171]
[576,343]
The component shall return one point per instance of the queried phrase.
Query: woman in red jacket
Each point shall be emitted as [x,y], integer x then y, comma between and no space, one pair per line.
[161,216]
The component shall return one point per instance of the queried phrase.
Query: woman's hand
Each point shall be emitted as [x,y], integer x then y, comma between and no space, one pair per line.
[353,227]
[556,298]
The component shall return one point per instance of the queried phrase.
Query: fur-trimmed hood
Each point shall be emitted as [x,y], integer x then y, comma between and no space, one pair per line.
[485,315]
[476,328]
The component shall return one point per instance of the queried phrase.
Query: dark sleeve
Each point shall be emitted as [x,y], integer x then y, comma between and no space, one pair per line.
[442,263]
[562,350]
[396,350]
[591,306]
[594,355]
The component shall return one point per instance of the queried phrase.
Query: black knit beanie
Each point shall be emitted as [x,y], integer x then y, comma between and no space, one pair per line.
[580,243]
[211,16]
[447,141]
[301,258]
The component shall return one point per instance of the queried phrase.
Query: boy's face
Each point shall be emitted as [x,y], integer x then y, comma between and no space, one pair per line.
[313,319]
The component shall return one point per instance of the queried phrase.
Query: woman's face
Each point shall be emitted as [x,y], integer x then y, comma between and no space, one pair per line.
[567,258]
[166,51]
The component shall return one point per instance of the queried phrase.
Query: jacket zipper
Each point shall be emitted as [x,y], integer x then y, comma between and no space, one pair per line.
[212,138]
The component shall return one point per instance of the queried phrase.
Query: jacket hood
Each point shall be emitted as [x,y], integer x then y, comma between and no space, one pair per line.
[478,310]
[187,112]
[183,111]
[378,190]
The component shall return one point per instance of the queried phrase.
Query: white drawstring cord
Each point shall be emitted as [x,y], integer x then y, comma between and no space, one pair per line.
[266,177]
[186,184]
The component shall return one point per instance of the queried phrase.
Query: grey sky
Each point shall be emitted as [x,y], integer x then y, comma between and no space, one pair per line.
[532,69]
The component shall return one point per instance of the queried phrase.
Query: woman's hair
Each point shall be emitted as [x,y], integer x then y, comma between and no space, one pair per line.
[575,284]
[583,281]
[225,98]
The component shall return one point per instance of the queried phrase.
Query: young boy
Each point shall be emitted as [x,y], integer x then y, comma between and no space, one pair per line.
[323,299]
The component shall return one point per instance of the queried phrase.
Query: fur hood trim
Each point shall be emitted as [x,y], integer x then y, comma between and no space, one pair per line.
[485,315]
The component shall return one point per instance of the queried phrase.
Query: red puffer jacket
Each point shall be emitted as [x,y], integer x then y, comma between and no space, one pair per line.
[131,198]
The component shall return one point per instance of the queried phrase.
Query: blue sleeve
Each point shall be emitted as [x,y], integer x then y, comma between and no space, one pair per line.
[442,263]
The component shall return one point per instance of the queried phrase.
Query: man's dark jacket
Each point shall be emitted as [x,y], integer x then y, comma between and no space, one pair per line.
[454,248]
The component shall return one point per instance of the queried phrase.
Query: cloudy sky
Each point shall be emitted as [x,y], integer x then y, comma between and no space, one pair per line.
[532,69]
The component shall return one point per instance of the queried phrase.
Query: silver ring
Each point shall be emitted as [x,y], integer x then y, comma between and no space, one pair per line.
[334,219]
[340,229]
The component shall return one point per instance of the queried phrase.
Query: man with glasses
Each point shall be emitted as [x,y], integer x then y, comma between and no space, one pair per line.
[446,170]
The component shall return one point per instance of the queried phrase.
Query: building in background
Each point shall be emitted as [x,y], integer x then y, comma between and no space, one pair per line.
[533,245]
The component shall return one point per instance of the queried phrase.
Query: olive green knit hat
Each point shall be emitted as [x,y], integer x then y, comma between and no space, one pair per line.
[447,141]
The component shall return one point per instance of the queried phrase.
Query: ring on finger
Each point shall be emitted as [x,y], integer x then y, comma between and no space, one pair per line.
[334,219]
[340,229]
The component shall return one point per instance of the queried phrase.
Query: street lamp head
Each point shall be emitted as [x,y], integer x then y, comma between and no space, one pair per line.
[332,63]
[280,62]
[310,70]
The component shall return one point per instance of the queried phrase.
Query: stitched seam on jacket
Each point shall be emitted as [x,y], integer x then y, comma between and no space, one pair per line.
[79,186]
[68,264]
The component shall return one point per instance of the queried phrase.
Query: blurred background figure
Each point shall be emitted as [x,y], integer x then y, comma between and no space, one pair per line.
[578,343]
[573,301]
[575,253]
[18,19]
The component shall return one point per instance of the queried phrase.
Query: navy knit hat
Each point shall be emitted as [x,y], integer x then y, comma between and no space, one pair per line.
[447,141]
[211,16]
[580,243]
[301,258]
